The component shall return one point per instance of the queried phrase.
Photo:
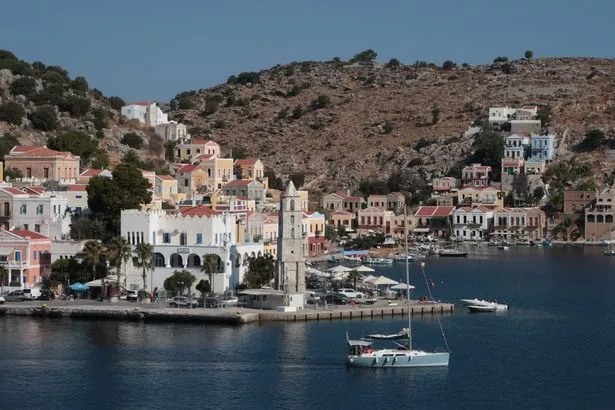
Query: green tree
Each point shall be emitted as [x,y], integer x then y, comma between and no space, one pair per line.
[330,232]
[93,250]
[87,228]
[13,173]
[107,197]
[500,59]
[239,152]
[100,160]
[116,103]
[12,112]
[52,94]
[260,271]
[100,118]
[297,113]
[131,157]
[17,67]
[366,56]
[23,86]
[7,142]
[538,193]
[529,54]
[204,287]
[393,63]
[119,252]
[169,150]
[448,65]
[354,277]
[244,78]
[4,278]
[212,102]
[489,151]
[544,115]
[179,281]
[44,118]
[7,55]
[594,139]
[275,182]
[435,115]
[80,85]
[210,266]
[75,106]
[321,101]
[298,179]
[144,260]
[76,142]
[133,140]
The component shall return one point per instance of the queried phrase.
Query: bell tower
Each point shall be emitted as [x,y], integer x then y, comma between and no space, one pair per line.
[290,275]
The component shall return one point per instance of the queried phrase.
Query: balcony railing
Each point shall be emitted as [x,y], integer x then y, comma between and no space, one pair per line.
[15,264]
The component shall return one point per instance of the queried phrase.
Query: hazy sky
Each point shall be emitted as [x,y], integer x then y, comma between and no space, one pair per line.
[155,49]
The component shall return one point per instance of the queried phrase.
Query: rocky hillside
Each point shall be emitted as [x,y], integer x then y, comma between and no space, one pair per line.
[340,123]
[38,103]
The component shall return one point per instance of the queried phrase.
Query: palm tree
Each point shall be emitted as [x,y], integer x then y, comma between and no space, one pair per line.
[4,274]
[355,276]
[145,259]
[93,250]
[210,265]
[120,252]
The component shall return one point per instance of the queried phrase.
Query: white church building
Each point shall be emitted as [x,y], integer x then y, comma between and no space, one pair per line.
[180,241]
[146,112]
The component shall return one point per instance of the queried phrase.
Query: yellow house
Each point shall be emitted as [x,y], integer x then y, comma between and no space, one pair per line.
[41,163]
[341,218]
[303,195]
[166,187]
[196,147]
[270,236]
[218,171]
[488,196]
[155,205]
[249,168]
[150,176]
[190,179]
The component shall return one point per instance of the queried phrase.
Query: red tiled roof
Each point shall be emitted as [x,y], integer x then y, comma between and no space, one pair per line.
[204,157]
[36,189]
[165,177]
[349,197]
[199,211]
[197,141]
[243,198]
[90,172]
[77,187]
[478,188]
[187,168]
[246,162]
[13,190]
[24,233]
[480,208]
[238,182]
[436,211]
[38,151]
[20,148]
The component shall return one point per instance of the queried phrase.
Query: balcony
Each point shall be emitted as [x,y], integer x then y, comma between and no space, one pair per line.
[15,264]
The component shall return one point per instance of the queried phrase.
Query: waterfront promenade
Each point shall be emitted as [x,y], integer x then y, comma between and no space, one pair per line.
[154,312]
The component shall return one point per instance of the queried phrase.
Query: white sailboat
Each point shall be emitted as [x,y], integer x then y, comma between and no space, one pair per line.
[361,353]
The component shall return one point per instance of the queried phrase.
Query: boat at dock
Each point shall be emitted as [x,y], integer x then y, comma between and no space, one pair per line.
[452,253]
[378,261]
[476,305]
[361,353]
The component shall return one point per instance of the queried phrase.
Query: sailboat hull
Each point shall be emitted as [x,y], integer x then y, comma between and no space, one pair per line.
[399,358]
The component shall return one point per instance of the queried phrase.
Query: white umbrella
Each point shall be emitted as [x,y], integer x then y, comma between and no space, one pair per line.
[369,278]
[383,280]
[96,282]
[340,276]
[363,268]
[402,286]
[316,272]
[339,268]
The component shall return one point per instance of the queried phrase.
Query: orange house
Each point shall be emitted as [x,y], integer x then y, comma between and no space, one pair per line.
[26,255]
[41,163]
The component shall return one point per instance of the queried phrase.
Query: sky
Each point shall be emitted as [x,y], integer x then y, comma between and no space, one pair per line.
[152,50]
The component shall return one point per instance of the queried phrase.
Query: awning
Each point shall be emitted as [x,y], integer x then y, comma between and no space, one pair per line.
[421,230]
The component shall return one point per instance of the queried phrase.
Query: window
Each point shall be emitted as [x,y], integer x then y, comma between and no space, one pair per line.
[23,209]
[34,255]
[39,209]
[166,237]
[78,196]
[37,228]
[18,256]
[26,227]
[199,238]
[46,173]
[28,172]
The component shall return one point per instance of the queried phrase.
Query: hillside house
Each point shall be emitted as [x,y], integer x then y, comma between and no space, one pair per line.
[475,175]
[195,147]
[171,131]
[146,112]
[338,201]
[488,196]
[432,220]
[600,217]
[520,224]
[472,223]
[245,188]
[543,147]
[578,201]
[39,163]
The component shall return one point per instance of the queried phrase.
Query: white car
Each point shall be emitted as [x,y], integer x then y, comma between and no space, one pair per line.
[2,300]
[350,293]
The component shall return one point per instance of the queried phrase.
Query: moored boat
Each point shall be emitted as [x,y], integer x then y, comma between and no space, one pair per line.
[485,303]
[378,261]
[481,308]
[452,253]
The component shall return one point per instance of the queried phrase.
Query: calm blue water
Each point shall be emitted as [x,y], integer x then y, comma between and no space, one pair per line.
[555,348]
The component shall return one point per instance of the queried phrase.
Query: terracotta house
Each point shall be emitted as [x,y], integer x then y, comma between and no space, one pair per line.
[432,220]
[41,163]
[196,147]
[342,218]
[600,217]
[577,201]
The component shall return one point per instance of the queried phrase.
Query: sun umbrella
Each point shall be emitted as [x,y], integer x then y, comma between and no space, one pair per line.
[369,278]
[339,268]
[96,282]
[402,286]
[363,268]
[316,272]
[383,281]
[78,287]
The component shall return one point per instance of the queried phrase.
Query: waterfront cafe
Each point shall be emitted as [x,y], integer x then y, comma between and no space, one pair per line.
[271,299]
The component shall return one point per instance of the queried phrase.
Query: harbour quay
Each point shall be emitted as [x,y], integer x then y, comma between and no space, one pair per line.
[226,316]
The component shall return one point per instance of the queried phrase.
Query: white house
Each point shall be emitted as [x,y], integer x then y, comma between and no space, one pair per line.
[146,112]
[171,131]
[515,146]
[498,115]
[472,223]
[76,196]
[180,241]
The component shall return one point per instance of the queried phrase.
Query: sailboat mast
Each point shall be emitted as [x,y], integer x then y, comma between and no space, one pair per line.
[407,278]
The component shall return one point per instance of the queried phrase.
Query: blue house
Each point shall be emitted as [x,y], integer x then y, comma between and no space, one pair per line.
[543,147]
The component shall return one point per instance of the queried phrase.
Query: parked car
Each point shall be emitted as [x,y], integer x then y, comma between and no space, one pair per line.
[312,297]
[132,295]
[2,300]
[15,296]
[32,294]
[350,293]
[182,301]
[336,299]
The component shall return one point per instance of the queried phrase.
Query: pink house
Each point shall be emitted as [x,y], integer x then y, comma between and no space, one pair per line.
[26,255]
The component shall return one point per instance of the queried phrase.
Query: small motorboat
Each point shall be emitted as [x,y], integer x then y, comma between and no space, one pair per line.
[452,253]
[609,252]
[481,308]
[485,303]
[503,247]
